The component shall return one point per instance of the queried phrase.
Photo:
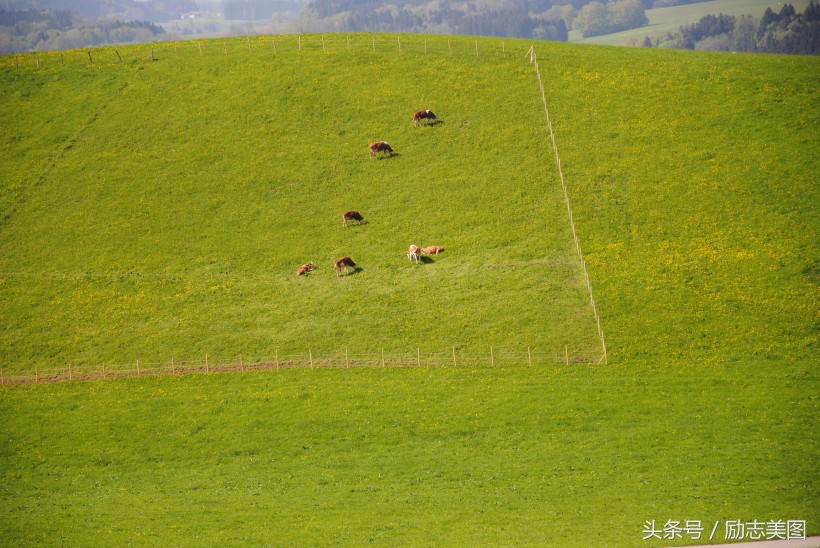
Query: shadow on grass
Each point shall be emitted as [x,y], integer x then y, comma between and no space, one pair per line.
[353,272]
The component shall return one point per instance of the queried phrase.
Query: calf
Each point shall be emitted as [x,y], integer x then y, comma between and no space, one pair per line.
[343,264]
[425,115]
[414,253]
[305,269]
[380,146]
[352,216]
[433,250]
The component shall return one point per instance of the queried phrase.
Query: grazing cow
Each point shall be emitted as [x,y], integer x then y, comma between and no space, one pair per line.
[305,269]
[343,264]
[414,253]
[433,250]
[425,115]
[380,146]
[352,216]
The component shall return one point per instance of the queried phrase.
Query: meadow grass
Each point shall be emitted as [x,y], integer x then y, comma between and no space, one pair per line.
[693,184]
[574,456]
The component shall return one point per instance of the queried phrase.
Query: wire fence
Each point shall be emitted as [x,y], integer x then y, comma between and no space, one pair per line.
[456,357]
[285,43]
[534,61]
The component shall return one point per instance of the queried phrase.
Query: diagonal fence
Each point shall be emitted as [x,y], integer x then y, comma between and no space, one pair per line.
[456,357]
[534,60]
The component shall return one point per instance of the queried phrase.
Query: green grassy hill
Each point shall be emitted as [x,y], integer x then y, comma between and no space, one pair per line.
[164,208]
[161,208]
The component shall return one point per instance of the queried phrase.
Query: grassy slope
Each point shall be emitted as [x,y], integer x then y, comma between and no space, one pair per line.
[700,234]
[174,202]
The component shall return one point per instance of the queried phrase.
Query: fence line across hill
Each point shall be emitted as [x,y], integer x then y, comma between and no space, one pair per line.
[534,60]
[454,357]
[281,43]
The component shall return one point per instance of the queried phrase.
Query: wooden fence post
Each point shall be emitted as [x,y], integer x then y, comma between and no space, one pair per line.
[300,42]
[62,59]
[492,356]
[529,357]
[323,42]
[454,357]
[241,363]
[310,354]
[277,358]
[103,371]
[382,347]
[348,43]
[418,356]
[503,49]
[347,361]
[138,368]
[476,48]
[90,60]
[207,365]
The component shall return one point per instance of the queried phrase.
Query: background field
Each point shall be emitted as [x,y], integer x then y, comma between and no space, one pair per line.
[662,20]
[694,187]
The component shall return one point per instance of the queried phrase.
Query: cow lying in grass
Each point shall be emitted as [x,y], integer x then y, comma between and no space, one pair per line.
[433,250]
[305,269]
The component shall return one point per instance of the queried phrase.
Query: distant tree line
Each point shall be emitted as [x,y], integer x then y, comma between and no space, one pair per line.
[250,10]
[125,10]
[510,18]
[784,32]
[44,30]
[596,19]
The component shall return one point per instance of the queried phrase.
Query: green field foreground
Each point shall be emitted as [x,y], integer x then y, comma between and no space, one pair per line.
[693,181]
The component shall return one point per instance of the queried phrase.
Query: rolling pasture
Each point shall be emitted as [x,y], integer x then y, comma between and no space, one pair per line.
[161,209]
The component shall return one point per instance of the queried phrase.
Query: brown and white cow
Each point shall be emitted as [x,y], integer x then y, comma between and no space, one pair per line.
[380,146]
[305,269]
[433,250]
[414,253]
[425,115]
[352,216]
[343,264]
